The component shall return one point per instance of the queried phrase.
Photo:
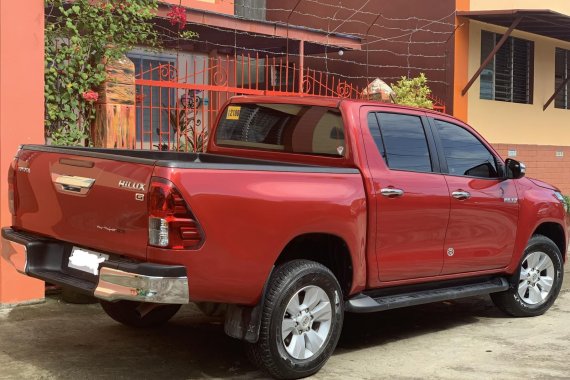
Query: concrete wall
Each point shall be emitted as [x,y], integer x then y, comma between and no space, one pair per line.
[562,6]
[218,6]
[503,122]
[541,139]
[542,162]
[404,38]
[21,117]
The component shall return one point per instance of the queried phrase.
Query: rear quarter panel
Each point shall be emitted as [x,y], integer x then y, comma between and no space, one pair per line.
[249,217]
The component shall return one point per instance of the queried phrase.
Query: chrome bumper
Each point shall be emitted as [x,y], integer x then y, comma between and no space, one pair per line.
[117,285]
[16,254]
[46,259]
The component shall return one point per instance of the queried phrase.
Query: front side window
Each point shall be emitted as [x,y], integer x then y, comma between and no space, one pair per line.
[464,153]
[509,75]
[289,128]
[401,141]
[562,71]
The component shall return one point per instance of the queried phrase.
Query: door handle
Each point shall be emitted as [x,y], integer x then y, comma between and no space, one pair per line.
[461,195]
[391,192]
[73,184]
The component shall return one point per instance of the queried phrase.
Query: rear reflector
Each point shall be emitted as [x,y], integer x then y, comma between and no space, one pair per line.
[12,199]
[158,232]
[171,224]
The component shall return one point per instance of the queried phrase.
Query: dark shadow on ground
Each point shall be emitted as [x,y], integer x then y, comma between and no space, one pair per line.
[80,341]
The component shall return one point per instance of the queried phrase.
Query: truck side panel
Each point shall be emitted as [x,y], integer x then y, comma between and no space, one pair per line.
[248,218]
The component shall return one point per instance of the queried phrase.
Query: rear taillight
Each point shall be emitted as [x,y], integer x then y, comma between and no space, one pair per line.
[171,224]
[12,199]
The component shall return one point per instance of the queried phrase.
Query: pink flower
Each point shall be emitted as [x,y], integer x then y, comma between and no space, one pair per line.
[90,96]
[177,15]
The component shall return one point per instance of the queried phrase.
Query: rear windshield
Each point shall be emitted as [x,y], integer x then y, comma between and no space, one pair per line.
[289,128]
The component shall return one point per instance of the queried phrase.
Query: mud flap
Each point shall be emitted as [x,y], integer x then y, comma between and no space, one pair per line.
[243,322]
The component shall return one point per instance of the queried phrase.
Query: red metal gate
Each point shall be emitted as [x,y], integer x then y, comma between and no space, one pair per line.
[176,106]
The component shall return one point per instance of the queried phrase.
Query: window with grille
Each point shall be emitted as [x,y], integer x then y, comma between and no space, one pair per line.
[562,71]
[509,75]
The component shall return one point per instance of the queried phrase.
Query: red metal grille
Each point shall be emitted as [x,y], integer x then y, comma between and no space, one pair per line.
[176,106]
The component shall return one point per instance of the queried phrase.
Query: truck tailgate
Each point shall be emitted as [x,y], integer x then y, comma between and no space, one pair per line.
[88,201]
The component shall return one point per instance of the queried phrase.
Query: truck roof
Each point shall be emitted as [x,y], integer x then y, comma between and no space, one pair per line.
[325,101]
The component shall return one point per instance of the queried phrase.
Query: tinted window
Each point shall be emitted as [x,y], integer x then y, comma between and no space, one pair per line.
[464,153]
[374,128]
[290,128]
[404,142]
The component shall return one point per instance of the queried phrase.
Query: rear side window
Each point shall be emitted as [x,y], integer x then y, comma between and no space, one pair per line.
[401,140]
[289,128]
[464,153]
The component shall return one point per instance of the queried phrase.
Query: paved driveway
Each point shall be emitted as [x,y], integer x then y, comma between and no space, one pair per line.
[466,339]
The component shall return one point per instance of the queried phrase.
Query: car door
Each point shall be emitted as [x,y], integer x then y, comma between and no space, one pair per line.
[411,198]
[484,205]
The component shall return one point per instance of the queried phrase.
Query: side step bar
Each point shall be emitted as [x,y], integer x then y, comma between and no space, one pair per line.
[363,303]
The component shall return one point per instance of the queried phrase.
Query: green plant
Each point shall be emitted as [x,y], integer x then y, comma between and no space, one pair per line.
[413,92]
[567,200]
[79,37]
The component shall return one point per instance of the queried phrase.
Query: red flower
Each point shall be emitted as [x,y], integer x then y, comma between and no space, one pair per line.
[90,96]
[177,15]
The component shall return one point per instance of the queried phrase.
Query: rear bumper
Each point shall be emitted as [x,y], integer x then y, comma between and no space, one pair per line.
[118,279]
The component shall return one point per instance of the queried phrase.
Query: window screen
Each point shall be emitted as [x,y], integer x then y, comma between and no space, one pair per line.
[508,77]
[562,71]
[403,140]
[289,128]
[464,153]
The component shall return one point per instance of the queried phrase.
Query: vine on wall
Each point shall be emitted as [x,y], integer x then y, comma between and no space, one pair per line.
[79,37]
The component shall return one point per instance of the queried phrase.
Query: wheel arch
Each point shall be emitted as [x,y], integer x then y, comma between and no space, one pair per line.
[555,232]
[243,322]
[327,249]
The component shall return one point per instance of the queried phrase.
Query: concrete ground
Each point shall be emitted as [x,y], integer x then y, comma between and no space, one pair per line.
[465,339]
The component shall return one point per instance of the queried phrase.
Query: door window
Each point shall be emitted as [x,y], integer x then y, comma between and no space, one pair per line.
[464,153]
[401,140]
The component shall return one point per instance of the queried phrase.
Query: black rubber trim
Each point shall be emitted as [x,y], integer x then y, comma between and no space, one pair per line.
[362,303]
[122,155]
[147,269]
[183,160]
[47,259]
[253,167]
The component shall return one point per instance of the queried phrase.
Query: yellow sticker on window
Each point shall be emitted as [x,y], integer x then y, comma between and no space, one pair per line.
[233,113]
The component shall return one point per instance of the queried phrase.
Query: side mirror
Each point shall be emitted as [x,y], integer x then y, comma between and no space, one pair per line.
[515,169]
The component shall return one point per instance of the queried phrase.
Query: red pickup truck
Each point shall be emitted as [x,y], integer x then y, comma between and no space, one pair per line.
[302,209]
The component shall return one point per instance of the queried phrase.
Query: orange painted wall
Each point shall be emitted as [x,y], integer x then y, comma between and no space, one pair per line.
[461,62]
[218,6]
[21,116]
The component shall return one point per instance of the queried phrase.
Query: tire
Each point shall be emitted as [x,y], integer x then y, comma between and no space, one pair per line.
[536,283]
[139,314]
[301,321]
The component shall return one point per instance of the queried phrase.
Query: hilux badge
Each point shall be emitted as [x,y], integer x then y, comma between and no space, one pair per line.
[131,185]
